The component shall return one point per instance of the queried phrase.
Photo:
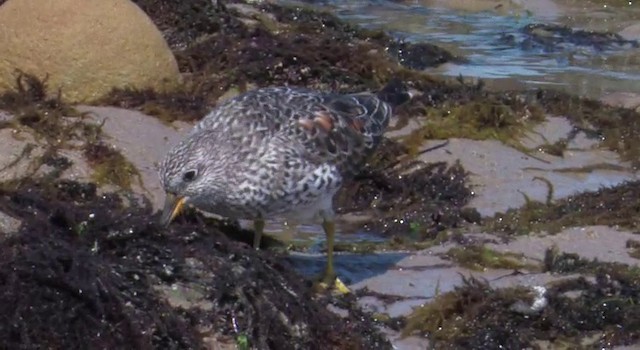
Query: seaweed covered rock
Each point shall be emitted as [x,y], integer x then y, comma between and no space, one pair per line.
[552,38]
[421,55]
[85,48]
[81,267]
[85,272]
[596,311]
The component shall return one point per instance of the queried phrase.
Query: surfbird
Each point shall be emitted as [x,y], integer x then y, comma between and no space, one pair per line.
[275,152]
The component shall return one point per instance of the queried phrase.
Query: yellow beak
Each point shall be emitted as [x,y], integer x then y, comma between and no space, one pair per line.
[172,207]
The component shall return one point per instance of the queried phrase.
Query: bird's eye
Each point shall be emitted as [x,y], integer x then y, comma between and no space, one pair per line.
[189,175]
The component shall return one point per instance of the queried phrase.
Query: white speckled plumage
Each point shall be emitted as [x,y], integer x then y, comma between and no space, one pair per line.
[275,151]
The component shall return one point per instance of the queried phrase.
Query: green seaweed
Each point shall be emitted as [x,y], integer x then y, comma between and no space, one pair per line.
[618,129]
[613,206]
[480,258]
[555,149]
[110,166]
[242,342]
[550,188]
[45,116]
[394,243]
[634,248]
[56,125]
[579,311]
[503,117]
[449,315]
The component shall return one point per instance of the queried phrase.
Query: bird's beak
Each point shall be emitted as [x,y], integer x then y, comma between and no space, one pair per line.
[172,207]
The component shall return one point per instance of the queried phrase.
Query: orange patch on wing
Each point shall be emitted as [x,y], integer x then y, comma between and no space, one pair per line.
[324,121]
[358,125]
[306,123]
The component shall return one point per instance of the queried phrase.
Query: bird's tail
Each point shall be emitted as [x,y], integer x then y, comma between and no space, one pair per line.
[395,93]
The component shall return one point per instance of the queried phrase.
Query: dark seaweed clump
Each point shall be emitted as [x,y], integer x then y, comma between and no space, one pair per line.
[552,38]
[234,46]
[411,55]
[233,50]
[85,272]
[580,314]
[55,126]
[182,22]
[34,107]
[420,56]
[613,206]
[596,310]
[618,129]
[421,203]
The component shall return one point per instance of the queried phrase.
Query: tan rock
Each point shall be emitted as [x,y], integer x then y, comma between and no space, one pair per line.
[21,150]
[142,139]
[85,47]
[631,32]
[622,99]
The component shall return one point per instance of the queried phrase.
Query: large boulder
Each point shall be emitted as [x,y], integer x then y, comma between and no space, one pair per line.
[84,47]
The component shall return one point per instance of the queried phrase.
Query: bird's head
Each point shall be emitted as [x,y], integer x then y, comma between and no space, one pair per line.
[191,172]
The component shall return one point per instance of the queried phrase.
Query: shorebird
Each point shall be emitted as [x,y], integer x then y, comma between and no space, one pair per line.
[275,152]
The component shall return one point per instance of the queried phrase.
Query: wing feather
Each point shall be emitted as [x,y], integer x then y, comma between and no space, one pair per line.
[339,129]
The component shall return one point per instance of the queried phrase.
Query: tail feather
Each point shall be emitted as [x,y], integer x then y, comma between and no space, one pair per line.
[395,93]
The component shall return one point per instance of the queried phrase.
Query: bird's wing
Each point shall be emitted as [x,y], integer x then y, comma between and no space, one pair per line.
[341,130]
[333,128]
[263,111]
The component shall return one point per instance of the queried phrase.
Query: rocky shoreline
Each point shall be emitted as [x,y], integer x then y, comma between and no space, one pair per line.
[475,192]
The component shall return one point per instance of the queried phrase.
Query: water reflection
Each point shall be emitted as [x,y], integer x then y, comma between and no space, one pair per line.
[352,268]
[498,49]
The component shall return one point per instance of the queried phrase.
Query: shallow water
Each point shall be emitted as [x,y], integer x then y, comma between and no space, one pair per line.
[312,236]
[352,268]
[479,37]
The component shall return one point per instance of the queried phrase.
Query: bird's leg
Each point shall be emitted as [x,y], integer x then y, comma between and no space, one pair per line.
[258,228]
[329,278]
[329,274]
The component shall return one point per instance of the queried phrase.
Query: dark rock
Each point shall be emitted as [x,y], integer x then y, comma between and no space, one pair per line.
[420,56]
[554,38]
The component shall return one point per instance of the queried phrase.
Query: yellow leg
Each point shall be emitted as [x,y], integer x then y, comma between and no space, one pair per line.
[329,274]
[328,278]
[258,228]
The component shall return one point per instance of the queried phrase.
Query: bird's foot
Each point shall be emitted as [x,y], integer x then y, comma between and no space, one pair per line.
[329,281]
